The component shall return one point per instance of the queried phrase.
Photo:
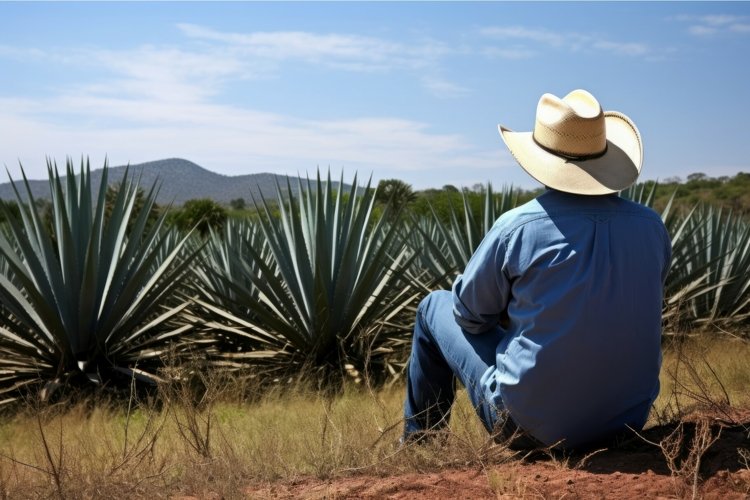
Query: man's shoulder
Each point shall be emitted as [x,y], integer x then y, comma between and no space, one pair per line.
[629,206]
[552,204]
[522,214]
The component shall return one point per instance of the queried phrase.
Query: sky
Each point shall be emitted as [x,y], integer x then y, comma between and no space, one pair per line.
[412,91]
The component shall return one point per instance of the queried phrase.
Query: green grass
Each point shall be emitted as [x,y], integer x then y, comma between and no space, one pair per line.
[104,450]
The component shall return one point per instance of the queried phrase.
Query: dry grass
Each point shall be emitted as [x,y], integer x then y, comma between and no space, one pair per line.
[703,373]
[80,452]
[222,444]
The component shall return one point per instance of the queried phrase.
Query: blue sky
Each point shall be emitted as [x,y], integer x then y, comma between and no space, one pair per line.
[406,90]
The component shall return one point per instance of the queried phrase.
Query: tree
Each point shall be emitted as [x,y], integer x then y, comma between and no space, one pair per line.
[478,187]
[13,207]
[238,204]
[203,214]
[395,192]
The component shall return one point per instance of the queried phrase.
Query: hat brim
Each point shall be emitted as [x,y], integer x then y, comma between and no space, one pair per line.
[615,170]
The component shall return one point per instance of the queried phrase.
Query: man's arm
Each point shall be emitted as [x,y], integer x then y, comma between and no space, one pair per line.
[482,292]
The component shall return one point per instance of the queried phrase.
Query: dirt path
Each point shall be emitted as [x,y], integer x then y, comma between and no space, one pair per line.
[633,470]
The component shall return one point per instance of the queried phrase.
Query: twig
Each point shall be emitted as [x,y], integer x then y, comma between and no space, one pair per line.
[31,466]
[55,472]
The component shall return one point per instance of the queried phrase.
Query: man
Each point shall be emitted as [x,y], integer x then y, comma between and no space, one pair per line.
[554,327]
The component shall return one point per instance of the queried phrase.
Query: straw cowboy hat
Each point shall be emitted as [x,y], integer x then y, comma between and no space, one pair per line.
[578,148]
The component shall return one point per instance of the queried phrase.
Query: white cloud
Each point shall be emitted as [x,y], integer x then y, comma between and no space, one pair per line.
[443,88]
[573,42]
[163,72]
[217,57]
[353,52]
[170,75]
[153,102]
[624,49]
[699,30]
[720,19]
[714,24]
[227,139]
[522,33]
[511,53]
[21,53]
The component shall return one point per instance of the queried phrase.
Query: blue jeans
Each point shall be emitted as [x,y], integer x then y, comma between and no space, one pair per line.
[441,352]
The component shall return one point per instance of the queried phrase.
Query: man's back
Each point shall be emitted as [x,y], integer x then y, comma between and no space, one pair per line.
[557,316]
[578,295]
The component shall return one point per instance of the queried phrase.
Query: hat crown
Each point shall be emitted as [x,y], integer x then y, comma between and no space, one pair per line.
[573,126]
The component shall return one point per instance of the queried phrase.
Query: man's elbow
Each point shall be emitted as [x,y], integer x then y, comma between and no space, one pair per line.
[472,326]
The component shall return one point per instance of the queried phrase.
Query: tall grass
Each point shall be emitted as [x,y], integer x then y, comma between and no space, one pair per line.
[704,375]
[87,451]
[81,452]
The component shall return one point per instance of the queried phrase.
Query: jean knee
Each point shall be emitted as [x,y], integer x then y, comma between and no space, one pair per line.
[425,306]
[432,298]
[424,303]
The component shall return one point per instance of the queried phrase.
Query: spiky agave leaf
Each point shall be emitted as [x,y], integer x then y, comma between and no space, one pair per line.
[84,297]
[715,246]
[322,285]
[447,248]
[224,293]
[707,281]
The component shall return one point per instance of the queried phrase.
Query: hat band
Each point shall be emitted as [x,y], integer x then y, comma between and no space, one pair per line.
[571,156]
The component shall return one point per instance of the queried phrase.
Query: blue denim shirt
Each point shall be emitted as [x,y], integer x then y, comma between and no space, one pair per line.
[572,286]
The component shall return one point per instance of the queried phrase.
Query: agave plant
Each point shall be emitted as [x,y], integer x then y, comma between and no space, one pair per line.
[318,290]
[446,248]
[707,281]
[712,253]
[85,299]
[226,294]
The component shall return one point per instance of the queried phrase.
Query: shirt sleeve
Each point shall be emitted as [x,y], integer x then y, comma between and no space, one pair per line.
[481,293]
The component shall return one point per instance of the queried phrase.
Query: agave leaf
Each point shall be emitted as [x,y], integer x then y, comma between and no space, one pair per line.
[448,246]
[87,293]
[316,289]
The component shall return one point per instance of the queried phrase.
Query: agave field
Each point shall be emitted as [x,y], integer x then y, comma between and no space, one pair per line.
[96,293]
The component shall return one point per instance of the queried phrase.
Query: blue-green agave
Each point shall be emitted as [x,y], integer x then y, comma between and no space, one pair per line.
[85,299]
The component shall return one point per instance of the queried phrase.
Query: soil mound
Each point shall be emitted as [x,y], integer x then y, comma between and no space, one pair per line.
[700,457]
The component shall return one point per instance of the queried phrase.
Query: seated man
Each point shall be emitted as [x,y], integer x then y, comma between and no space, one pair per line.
[554,327]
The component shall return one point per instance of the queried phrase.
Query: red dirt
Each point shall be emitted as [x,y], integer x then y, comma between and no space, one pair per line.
[632,470]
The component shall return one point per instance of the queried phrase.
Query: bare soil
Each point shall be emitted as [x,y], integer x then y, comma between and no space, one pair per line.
[635,469]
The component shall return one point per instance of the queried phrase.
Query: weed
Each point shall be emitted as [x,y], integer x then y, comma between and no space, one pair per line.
[206,439]
[507,484]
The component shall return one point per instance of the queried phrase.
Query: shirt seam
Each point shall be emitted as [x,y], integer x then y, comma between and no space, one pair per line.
[519,224]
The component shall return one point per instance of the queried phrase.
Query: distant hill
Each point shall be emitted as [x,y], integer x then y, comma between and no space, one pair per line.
[180,180]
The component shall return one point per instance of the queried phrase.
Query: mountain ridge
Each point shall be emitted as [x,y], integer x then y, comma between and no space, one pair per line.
[179,180]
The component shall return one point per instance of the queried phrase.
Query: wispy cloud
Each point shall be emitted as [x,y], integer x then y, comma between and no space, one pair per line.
[539,37]
[443,88]
[235,140]
[22,53]
[714,24]
[344,52]
[354,52]
[621,48]
[530,34]
[167,100]
[168,73]
[510,53]
[216,57]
